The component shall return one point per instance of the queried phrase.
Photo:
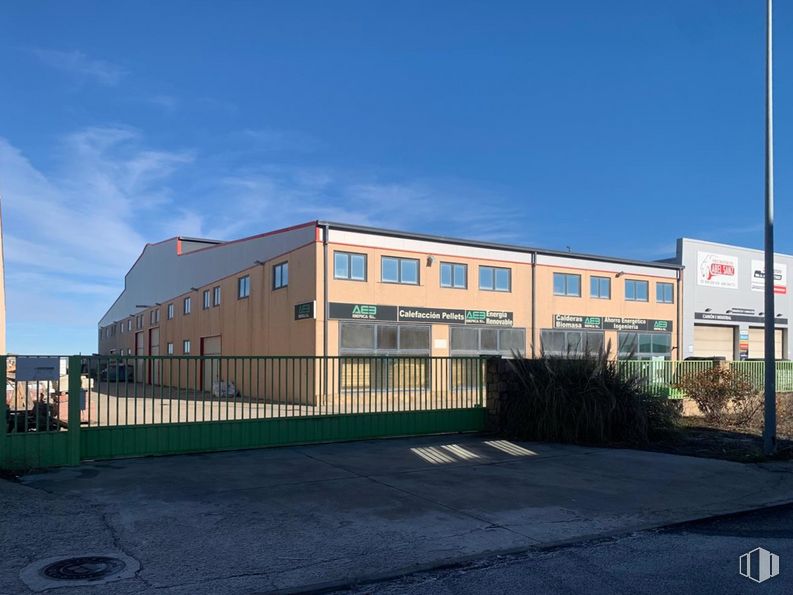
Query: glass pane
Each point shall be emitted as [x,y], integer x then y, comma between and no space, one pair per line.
[558,284]
[464,339]
[594,287]
[390,270]
[552,342]
[414,337]
[341,268]
[485,277]
[460,274]
[628,342]
[446,275]
[574,344]
[357,336]
[489,339]
[512,340]
[630,290]
[662,344]
[594,342]
[573,285]
[642,290]
[645,343]
[386,337]
[358,267]
[502,279]
[410,271]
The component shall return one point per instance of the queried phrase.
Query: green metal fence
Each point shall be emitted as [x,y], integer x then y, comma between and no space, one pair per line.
[142,405]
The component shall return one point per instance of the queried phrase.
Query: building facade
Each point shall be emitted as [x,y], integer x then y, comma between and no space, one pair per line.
[723,301]
[335,289]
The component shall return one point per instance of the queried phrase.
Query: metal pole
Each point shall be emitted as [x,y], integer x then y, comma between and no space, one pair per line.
[769,428]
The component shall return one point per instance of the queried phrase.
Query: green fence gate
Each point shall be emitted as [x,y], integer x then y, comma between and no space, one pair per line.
[104,407]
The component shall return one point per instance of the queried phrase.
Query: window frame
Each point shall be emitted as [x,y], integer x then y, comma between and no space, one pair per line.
[399,260]
[169,348]
[659,285]
[599,279]
[278,275]
[566,277]
[636,283]
[348,256]
[206,299]
[453,266]
[244,280]
[187,305]
[186,346]
[494,287]
[169,311]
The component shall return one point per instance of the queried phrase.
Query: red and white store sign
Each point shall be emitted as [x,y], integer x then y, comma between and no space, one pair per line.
[717,270]
[758,277]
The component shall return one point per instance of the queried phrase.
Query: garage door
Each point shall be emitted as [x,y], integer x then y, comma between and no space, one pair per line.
[712,341]
[757,343]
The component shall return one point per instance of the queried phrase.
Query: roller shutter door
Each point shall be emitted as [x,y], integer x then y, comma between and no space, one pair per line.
[714,341]
[757,343]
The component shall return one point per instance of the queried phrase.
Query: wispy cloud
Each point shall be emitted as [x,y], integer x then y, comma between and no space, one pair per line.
[77,64]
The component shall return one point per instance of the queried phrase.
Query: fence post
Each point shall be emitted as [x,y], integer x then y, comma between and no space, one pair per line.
[75,388]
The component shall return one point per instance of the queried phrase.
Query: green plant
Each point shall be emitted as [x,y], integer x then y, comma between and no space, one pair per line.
[584,399]
[722,394]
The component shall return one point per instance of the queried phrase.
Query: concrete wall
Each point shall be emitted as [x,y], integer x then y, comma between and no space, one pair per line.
[734,300]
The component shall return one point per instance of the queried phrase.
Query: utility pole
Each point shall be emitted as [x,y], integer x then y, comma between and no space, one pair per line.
[769,427]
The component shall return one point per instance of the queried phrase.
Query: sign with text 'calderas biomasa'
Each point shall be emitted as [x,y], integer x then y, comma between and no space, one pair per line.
[415,314]
[611,323]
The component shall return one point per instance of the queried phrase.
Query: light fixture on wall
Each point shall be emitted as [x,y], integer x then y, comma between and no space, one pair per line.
[430,260]
[728,311]
[142,306]
[620,274]
[759,313]
[259,261]
[779,315]
[708,309]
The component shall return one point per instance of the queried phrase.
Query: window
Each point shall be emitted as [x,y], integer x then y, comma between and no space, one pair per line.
[399,270]
[567,284]
[243,287]
[281,275]
[454,275]
[600,287]
[129,325]
[186,346]
[207,299]
[216,296]
[495,279]
[187,305]
[665,293]
[556,343]
[170,312]
[154,317]
[121,328]
[474,341]
[169,348]
[645,346]
[636,291]
[347,265]
[139,321]
[384,338]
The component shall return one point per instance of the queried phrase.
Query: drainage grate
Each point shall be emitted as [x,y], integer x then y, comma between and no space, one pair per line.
[85,568]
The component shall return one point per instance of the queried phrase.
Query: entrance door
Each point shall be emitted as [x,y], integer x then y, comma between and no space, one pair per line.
[140,363]
[154,349]
[712,341]
[757,343]
[211,366]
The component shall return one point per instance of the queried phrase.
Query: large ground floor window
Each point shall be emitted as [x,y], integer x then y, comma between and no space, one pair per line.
[559,343]
[465,340]
[645,345]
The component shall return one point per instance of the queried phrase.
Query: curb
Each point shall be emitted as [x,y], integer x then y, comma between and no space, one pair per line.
[463,561]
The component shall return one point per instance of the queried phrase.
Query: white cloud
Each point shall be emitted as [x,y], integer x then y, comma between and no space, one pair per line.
[75,63]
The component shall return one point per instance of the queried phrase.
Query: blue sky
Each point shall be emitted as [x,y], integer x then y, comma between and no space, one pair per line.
[609,127]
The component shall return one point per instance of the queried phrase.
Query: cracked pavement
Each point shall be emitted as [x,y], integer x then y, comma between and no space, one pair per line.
[309,517]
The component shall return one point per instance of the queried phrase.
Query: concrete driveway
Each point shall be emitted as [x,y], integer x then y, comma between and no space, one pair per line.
[300,518]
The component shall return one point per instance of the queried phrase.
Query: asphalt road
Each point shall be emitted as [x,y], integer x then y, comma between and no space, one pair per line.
[698,557]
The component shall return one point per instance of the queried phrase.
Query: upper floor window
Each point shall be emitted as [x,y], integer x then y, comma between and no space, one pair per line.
[139,321]
[399,270]
[216,296]
[567,284]
[243,287]
[169,311]
[170,349]
[186,346]
[600,287]
[665,293]
[495,278]
[187,305]
[454,275]
[207,299]
[154,317]
[129,325]
[636,291]
[281,275]
[347,265]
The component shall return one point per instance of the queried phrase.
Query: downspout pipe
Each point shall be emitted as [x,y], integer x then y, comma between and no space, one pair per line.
[326,307]
[533,304]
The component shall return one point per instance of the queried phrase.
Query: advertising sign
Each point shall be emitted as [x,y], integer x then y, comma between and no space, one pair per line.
[415,314]
[758,277]
[717,270]
[611,323]
[305,310]
[38,368]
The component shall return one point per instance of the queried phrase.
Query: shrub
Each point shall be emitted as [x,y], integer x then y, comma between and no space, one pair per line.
[583,400]
[722,394]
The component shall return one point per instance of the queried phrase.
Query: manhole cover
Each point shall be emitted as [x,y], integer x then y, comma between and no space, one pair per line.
[85,568]
[88,569]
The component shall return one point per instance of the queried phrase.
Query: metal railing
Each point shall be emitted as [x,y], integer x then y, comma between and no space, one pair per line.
[134,390]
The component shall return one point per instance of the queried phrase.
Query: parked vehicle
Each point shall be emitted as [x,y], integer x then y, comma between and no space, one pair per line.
[117,372]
